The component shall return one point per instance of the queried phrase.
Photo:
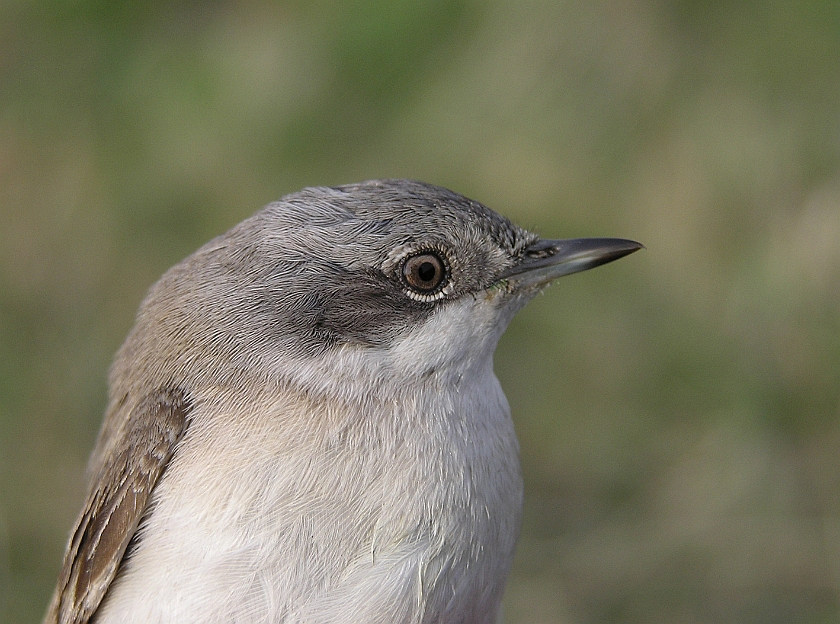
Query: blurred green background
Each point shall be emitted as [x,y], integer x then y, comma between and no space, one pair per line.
[678,410]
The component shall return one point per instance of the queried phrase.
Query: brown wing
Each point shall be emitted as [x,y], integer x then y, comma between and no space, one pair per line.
[115,505]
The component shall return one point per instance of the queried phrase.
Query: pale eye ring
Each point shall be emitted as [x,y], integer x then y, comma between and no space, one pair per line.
[425,272]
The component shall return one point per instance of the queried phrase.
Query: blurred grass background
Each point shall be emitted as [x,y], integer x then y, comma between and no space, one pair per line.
[678,410]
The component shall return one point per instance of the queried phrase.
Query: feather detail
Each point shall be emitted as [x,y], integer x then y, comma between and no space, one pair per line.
[119,496]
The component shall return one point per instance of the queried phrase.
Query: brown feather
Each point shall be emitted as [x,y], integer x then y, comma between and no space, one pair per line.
[116,503]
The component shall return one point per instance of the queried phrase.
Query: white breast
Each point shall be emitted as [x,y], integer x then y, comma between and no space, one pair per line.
[398,507]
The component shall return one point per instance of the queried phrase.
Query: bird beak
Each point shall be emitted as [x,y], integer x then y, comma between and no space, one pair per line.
[546,260]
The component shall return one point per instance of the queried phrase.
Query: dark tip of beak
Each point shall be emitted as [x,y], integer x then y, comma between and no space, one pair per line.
[546,260]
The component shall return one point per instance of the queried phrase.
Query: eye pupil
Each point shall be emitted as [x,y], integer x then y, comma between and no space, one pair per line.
[425,273]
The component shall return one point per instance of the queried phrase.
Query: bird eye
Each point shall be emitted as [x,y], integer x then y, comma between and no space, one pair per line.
[425,272]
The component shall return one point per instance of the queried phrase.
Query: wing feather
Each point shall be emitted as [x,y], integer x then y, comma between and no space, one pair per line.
[116,503]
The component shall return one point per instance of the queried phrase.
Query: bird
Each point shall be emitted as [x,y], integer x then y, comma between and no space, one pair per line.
[304,424]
